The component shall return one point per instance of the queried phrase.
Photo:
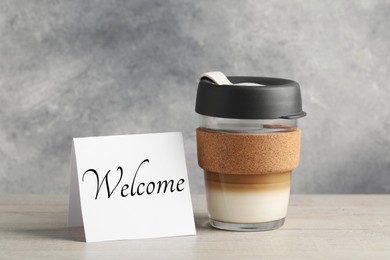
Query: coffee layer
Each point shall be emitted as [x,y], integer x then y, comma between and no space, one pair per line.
[248,154]
[247,183]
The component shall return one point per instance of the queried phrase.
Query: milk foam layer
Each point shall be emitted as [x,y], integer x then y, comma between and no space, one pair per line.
[251,199]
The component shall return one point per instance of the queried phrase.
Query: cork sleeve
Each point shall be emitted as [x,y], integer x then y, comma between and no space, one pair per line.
[242,153]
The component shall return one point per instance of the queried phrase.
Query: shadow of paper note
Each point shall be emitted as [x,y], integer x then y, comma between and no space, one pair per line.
[201,221]
[65,233]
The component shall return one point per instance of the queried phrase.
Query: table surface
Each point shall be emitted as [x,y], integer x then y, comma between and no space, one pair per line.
[317,226]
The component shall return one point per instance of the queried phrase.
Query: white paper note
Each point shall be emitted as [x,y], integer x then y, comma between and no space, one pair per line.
[130,186]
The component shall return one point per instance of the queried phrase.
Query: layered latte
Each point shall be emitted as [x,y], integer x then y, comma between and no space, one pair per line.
[247,198]
[248,176]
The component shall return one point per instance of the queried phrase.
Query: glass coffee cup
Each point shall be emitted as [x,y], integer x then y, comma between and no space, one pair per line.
[248,144]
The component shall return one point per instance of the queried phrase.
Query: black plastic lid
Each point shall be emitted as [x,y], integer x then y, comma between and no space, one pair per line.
[278,98]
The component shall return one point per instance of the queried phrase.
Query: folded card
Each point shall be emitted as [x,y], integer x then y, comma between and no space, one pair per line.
[130,186]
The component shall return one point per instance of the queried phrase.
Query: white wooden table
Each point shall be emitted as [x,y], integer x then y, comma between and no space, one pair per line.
[317,227]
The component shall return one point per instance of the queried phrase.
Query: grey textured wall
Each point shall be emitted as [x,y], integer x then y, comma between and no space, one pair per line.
[83,68]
